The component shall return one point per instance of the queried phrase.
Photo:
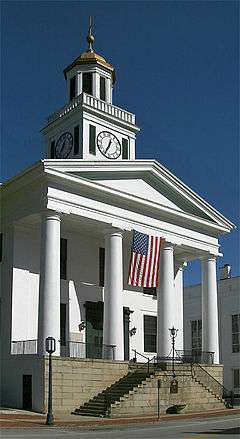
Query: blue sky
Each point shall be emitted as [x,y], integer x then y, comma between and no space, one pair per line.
[177,69]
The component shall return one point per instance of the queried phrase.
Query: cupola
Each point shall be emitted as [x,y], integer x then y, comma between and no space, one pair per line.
[90,73]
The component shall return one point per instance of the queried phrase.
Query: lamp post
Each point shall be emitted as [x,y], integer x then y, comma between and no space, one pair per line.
[50,346]
[173,334]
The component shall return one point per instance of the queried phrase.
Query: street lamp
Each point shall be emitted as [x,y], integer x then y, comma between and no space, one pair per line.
[173,334]
[50,346]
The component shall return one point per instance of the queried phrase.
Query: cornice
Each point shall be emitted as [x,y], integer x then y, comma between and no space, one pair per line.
[60,169]
[99,188]
[123,221]
[27,177]
[152,168]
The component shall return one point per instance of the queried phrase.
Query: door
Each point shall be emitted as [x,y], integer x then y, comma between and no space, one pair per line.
[27,392]
[94,329]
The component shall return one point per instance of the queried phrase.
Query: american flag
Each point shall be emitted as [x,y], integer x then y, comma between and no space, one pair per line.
[144,261]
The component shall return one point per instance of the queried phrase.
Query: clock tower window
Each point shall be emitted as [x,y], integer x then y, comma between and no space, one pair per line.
[76,140]
[87,83]
[52,149]
[72,87]
[102,88]
[92,139]
[125,149]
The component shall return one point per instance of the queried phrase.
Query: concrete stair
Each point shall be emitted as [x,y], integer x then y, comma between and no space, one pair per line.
[100,405]
[136,394]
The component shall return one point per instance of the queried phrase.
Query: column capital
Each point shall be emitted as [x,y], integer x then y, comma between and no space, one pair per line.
[208,257]
[180,265]
[110,231]
[51,214]
[167,245]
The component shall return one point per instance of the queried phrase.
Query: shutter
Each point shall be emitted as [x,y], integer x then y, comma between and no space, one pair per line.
[125,149]
[92,139]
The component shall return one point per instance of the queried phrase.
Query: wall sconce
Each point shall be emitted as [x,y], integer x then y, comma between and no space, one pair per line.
[132,331]
[82,326]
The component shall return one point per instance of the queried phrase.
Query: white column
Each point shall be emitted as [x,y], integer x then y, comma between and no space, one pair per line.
[165,304]
[108,91]
[79,83]
[178,283]
[113,309]
[49,288]
[96,85]
[210,339]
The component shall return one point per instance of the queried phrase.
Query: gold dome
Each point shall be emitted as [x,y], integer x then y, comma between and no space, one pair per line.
[89,57]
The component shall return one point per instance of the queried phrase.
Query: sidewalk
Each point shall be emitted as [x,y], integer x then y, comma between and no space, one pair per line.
[11,418]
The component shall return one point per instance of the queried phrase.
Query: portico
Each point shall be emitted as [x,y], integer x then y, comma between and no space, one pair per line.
[116,241]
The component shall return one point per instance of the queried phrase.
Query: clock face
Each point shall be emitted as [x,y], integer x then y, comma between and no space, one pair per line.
[108,145]
[64,146]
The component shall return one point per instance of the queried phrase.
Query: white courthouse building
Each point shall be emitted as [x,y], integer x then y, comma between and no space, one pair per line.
[66,233]
[229,325]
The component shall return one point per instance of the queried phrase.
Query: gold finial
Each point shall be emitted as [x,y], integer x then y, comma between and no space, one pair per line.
[90,37]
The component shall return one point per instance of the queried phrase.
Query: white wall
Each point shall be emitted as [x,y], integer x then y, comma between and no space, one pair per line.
[81,286]
[25,284]
[228,304]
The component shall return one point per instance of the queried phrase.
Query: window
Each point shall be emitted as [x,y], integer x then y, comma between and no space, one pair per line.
[1,247]
[87,83]
[150,334]
[101,266]
[52,150]
[63,259]
[125,149]
[236,333]
[76,140]
[63,316]
[196,329]
[102,88]
[72,87]
[92,139]
[236,378]
[151,291]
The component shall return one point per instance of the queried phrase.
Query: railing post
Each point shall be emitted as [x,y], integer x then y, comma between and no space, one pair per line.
[232,398]
[135,356]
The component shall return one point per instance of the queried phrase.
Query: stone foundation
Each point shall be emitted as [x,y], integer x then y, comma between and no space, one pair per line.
[143,401]
[75,381]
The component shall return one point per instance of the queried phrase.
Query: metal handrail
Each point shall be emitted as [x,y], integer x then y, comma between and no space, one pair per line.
[24,347]
[79,349]
[212,384]
[198,372]
[194,356]
[144,356]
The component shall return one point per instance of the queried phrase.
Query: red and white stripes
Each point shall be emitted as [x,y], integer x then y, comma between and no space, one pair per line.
[143,270]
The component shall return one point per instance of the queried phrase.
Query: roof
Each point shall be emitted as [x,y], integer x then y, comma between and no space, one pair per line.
[184,204]
[90,57]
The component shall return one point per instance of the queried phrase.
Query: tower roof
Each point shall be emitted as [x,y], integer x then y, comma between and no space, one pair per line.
[90,57]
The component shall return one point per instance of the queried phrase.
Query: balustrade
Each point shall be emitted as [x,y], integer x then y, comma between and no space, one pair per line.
[93,102]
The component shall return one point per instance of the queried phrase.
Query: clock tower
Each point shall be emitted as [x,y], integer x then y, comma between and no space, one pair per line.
[89,126]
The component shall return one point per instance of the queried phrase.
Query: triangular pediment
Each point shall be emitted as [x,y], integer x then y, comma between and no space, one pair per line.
[141,181]
[140,189]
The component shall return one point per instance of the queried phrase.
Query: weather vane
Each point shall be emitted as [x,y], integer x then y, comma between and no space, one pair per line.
[90,37]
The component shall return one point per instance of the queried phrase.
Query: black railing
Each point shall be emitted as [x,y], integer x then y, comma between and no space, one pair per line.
[74,349]
[194,356]
[141,355]
[201,375]
[23,347]
[77,349]
[151,363]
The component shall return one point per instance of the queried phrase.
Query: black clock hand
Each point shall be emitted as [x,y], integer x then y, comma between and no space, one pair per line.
[63,146]
[110,141]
